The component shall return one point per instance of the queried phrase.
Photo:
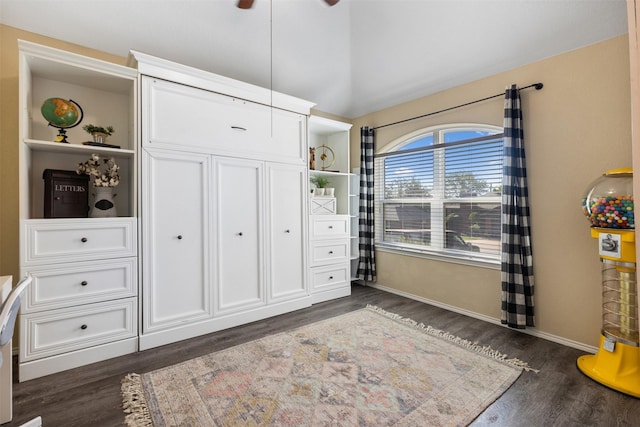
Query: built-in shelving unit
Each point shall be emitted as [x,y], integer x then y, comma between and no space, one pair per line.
[331,233]
[82,306]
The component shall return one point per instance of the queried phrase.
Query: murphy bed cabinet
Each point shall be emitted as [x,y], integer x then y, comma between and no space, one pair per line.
[82,306]
[224,212]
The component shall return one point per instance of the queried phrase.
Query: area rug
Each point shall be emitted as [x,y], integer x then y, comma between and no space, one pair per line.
[364,368]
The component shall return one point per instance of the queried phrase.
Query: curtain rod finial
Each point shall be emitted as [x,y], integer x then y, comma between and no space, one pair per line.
[538,86]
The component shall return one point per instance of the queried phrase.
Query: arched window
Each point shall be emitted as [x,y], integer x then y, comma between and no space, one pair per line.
[438,191]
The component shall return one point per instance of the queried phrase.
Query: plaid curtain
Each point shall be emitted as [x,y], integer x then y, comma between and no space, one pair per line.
[517,259]
[367,262]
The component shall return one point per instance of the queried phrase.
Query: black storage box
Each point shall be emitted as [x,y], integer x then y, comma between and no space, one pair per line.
[66,194]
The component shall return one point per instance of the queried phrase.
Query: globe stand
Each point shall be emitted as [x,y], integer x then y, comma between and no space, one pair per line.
[62,134]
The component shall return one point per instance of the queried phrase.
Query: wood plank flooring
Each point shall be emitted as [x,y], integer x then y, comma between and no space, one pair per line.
[559,395]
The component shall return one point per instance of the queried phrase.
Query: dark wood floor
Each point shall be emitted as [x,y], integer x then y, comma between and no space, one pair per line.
[559,395]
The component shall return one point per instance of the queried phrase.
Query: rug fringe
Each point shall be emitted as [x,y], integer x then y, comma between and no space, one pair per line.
[474,346]
[134,403]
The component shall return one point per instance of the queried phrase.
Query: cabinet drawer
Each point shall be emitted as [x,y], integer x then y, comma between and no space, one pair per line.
[66,285]
[70,240]
[329,252]
[330,276]
[59,331]
[325,226]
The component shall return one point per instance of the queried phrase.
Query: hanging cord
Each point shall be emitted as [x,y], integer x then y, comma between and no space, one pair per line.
[537,86]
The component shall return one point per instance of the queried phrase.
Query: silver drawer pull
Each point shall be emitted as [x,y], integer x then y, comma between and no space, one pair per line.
[239,128]
[84,240]
[83,327]
[84,283]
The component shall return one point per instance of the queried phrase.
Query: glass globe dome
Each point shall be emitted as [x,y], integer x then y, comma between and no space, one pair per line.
[608,202]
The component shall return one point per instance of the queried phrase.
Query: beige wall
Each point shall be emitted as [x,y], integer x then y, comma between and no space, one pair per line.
[9,259]
[577,127]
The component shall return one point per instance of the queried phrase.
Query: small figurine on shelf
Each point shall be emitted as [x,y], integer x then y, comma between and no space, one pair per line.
[312,158]
[100,135]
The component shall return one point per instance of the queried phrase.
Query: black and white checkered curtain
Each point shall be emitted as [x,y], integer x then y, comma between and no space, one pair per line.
[367,263]
[517,259]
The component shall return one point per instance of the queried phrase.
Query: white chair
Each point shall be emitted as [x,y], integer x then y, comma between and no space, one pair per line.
[9,313]
[8,316]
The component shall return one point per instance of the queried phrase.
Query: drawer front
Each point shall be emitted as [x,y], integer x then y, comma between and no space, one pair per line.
[329,252]
[328,277]
[179,116]
[327,227]
[69,240]
[59,331]
[66,285]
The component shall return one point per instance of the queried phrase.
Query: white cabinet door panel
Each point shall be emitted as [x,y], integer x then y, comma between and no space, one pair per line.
[288,138]
[239,208]
[286,219]
[176,281]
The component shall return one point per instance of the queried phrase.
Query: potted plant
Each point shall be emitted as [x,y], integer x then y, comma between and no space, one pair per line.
[321,184]
[99,133]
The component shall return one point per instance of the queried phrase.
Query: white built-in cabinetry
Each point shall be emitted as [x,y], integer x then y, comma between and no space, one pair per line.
[82,306]
[330,229]
[223,212]
[213,227]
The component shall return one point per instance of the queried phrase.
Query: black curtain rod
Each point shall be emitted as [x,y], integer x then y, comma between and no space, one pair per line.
[538,86]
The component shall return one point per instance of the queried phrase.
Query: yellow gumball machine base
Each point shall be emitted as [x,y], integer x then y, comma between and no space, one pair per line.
[617,368]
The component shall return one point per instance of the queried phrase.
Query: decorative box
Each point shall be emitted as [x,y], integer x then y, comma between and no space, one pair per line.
[66,194]
[323,205]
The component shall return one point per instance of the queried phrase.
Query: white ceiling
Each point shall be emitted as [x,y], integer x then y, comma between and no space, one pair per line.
[350,59]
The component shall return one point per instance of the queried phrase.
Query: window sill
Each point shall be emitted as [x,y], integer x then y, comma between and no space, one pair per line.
[455,259]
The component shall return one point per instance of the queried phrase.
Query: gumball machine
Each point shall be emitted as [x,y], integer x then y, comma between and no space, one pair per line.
[608,205]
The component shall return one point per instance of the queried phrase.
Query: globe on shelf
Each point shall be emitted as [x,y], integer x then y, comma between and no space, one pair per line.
[61,114]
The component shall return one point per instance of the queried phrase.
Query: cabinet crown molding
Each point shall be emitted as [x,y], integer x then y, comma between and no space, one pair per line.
[70,59]
[168,70]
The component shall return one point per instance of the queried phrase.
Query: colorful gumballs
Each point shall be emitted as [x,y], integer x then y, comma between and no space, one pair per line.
[610,211]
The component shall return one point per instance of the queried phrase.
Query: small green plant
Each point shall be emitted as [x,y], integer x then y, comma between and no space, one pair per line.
[98,129]
[319,181]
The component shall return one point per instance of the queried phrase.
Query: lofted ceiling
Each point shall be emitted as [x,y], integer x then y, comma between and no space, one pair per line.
[351,59]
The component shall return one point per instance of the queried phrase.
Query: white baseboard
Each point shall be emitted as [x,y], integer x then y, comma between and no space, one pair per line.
[530,331]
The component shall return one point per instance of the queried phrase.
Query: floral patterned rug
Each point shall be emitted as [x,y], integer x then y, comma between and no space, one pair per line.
[365,368]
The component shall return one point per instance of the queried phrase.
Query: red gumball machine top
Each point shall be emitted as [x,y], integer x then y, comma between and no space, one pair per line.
[608,202]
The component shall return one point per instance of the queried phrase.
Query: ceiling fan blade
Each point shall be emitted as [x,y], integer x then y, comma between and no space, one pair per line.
[245,4]
[331,2]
